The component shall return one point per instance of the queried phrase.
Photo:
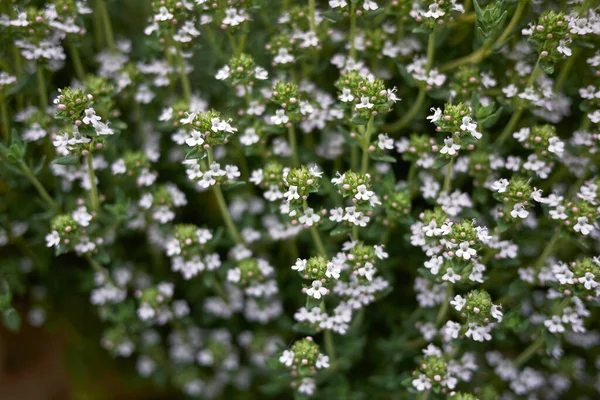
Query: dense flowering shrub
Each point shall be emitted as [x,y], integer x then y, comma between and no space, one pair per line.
[340,199]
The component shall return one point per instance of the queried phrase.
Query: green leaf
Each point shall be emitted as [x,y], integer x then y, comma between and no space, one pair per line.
[408,78]
[382,158]
[422,29]
[340,230]
[232,185]
[303,329]
[102,257]
[311,302]
[66,160]
[547,67]
[502,225]
[12,319]
[333,15]
[491,119]
[5,294]
[440,162]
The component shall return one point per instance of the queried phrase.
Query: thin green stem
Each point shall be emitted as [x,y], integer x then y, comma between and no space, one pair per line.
[108,32]
[185,82]
[315,235]
[218,288]
[95,201]
[352,31]
[548,250]
[329,346]
[38,186]
[485,51]
[77,64]
[441,315]
[4,116]
[98,34]
[293,145]
[529,352]
[366,140]
[231,228]
[448,177]
[514,119]
[416,107]
[41,80]
[100,269]
[311,10]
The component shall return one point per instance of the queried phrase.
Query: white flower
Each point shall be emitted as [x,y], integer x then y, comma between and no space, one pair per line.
[364,103]
[196,139]
[384,142]
[370,5]
[434,11]
[234,275]
[81,216]
[309,218]
[145,312]
[562,47]
[554,324]
[363,193]
[308,386]
[380,252]
[451,276]
[261,73]
[232,172]
[458,303]
[337,3]
[317,290]
[421,383]
[322,361]
[346,96]
[163,15]
[519,211]
[449,147]
[287,358]
[292,193]
[52,239]
[336,214]
[280,117]
[367,271]
[588,281]
[556,146]
[300,265]
[465,251]
[306,108]
[333,271]
[90,117]
[582,226]
[223,73]
[437,115]
[496,312]
[434,264]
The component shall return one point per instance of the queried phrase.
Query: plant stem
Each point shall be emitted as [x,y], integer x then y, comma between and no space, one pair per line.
[485,51]
[218,288]
[185,82]
[293,145]
[408,117]
[38,186]
[329,346]
[4,116]
[366,140]
[529,352]
[448,177]
[514,119]
[94,191]
[315,235]
[233,232]
[42,88]
[77,65]
[311,10]
[548,250]
[100,269]
[444,308]
[108,32]
[352,31]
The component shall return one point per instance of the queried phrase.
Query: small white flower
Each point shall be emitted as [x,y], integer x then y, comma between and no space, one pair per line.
[449,147]
[280,117]
[384,142]
[497,312]
[554,324]
[52,239]
[465,251]
[437,115]
[519,211]
[363,193]
[451,276]
[588,281]
[582,226]
[364,103]
[309,218]
[421,383]
[317,290]
[287,358]
[322,361]
[346,96]
[562,47]
[308,386]
[300,265]
[458,303]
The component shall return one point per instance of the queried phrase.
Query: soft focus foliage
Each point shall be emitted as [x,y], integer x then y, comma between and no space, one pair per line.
[340,199]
